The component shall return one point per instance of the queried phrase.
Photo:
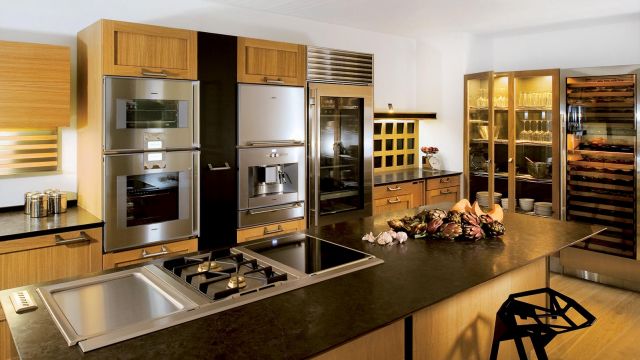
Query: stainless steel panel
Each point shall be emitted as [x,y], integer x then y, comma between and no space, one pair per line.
[270,214]
[117,235]
[118,139]
[269,113]
[105,307]
[316,91]
[248,157]
[339,66]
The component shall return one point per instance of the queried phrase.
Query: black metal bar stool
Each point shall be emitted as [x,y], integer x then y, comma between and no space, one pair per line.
[544,324]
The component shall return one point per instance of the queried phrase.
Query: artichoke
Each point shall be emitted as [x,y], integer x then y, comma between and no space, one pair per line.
[454,216]
[485,219]
[450,231]
[396,224]
[494,229]
[418,229]
[434,225]
[435,214]
[472,232]
[470,219]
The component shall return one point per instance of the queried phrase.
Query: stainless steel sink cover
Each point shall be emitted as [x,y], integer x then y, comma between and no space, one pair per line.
[107,305]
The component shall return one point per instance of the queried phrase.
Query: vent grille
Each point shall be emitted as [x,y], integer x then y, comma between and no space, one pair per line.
[337,66]
[25,151]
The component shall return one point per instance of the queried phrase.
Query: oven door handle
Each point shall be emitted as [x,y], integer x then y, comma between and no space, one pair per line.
[256,212]
[219,168]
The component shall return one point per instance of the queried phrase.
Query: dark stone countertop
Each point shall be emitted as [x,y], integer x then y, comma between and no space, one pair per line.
[397,176]
[16,224]
[310,320]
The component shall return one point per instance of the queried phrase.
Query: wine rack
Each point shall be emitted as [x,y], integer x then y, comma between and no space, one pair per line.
[601,171]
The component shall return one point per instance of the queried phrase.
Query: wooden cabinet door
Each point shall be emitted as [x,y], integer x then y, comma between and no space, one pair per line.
[49,257]
[271,62]
[435,196]
[7,349]
[146,254]
[395,203]
[145,50]
[260,232]
[35,85]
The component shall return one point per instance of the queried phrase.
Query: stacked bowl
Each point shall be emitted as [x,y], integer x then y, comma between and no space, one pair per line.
[483,198]
[542,208]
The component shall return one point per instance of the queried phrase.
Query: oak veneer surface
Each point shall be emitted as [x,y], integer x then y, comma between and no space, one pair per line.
[35,85]
[311,320]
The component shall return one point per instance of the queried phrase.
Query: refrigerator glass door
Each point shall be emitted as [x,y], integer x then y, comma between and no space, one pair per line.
[341,131]
[341,122]
[601,172]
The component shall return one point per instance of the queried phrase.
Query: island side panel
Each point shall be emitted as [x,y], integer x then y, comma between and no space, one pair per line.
[461,327]
[386,343]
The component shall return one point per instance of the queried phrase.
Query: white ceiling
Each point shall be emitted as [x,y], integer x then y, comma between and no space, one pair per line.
[416,17]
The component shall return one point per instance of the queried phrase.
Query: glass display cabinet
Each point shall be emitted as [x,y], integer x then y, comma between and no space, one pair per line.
[511,136]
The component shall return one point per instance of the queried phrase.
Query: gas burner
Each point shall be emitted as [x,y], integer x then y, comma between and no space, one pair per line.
[209,266]
[237,281]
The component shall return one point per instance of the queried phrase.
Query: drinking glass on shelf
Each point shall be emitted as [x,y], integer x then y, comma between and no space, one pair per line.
[548,132]
[537,135]
[523,133]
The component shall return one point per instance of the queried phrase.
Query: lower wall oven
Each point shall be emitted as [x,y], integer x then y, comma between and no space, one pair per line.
[149,198]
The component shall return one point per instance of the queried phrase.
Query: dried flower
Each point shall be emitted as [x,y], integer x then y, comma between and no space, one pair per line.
[429,149]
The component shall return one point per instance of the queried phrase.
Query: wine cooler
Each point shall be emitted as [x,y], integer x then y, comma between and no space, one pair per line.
[600,106]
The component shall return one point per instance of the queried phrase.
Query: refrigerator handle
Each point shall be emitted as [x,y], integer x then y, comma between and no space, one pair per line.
[314,125]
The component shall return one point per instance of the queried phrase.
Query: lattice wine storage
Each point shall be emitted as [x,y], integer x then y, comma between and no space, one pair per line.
[395,144]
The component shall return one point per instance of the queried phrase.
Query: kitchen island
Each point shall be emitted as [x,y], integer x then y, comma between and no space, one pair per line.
[387,309]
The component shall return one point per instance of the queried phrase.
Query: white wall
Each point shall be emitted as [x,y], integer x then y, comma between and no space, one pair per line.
[57,22]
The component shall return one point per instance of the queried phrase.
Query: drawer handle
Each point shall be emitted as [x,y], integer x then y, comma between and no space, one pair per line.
[445,180]
[161,73]
[219,168]
[256,212]
[76,240]
[444,192]
[394,188]
[273,81]
[279,229]
[163,251]
[393,201]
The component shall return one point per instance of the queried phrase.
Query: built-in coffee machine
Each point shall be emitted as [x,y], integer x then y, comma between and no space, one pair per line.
[271,154]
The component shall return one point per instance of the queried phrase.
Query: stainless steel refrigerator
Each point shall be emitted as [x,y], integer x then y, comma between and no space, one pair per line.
[340,132]
[600,106]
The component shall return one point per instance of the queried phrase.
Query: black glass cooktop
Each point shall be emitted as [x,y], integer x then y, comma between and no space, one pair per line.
[306,253]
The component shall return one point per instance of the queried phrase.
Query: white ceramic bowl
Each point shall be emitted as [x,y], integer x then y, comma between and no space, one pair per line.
[526,204]
[505,203]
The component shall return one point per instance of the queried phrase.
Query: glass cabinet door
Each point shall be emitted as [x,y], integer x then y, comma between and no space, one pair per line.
[535,123]
[501,125]
[477,117]
[341,151]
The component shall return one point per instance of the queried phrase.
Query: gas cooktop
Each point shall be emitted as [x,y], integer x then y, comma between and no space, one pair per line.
[191,287]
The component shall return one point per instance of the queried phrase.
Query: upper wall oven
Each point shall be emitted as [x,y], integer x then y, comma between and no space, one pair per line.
[150,114]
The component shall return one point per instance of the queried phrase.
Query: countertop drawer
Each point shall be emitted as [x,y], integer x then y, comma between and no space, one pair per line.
[141,255]
[385,191]
[448,194]
[443,182]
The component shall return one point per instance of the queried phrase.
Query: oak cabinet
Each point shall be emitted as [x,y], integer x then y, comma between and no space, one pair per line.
[35,85]
[148,253]
[145,50]
[264,231]
[444,189]
[398,196]
[43,258]
[271,62]
[386,343]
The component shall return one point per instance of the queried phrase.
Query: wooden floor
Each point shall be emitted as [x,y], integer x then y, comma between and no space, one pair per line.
[616,332]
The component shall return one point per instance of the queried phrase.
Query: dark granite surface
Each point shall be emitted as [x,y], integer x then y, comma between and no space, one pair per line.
[16,224]
[396,176]
[310,320]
